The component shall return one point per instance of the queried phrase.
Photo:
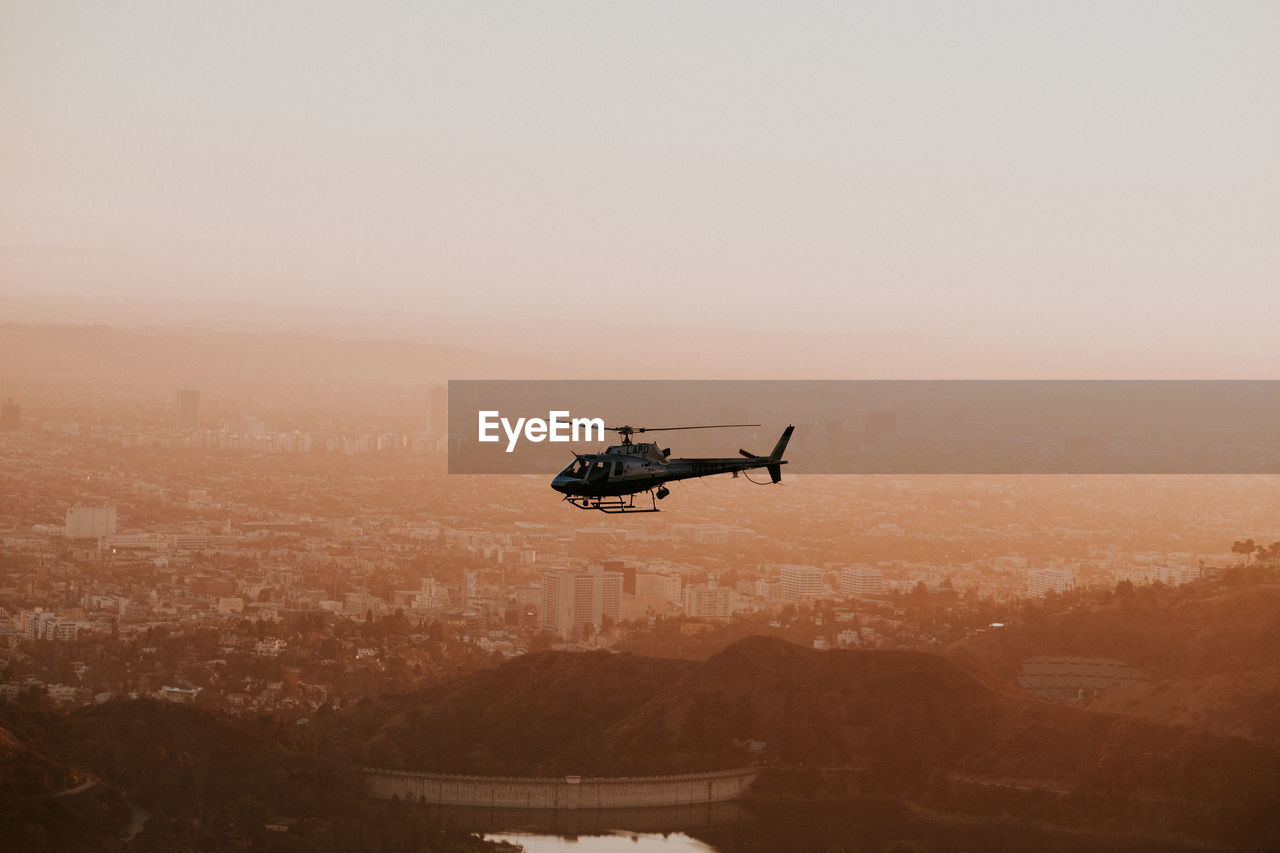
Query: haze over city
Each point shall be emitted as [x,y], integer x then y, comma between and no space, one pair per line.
[1093,178]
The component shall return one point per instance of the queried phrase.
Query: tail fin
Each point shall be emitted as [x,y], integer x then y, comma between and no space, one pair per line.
[775,458]
[781,446]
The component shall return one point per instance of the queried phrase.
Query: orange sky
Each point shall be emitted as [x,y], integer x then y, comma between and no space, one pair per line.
[901,189]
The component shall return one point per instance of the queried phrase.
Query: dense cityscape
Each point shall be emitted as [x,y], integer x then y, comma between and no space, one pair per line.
[243,569]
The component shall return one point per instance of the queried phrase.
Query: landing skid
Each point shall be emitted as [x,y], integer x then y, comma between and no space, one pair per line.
[615,504]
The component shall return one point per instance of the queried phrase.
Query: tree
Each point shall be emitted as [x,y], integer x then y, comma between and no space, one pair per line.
[1271,554]
[1245,548]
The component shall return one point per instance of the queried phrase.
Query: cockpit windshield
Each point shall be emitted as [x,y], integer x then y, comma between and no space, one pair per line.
[587,469]
[577,469]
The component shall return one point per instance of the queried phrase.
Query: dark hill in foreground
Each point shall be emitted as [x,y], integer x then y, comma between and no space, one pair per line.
[540,713]
[151,776]
[917,731]
[892,723]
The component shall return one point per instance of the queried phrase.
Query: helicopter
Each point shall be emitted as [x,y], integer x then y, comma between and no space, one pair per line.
[610,481]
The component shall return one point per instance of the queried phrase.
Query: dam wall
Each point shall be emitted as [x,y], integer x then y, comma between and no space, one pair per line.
[561,792]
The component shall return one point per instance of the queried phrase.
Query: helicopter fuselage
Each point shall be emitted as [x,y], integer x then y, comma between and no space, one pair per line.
[630,468]
[608,474]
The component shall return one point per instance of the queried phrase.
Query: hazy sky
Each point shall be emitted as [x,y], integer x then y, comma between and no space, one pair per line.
[1061,172]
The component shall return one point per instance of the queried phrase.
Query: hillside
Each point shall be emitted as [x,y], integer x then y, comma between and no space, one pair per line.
[906,729]
[176,778]
[539,714]
[897,724]
[1208,652]
[35,809]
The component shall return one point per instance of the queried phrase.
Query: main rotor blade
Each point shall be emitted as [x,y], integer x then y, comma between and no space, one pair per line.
[668,429]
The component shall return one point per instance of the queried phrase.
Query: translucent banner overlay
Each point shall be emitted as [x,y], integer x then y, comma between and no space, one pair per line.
[881,427]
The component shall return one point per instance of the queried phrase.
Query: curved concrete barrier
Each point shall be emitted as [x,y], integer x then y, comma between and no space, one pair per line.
[564,792]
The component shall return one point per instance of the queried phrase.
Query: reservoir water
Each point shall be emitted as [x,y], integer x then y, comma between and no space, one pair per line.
[619,842]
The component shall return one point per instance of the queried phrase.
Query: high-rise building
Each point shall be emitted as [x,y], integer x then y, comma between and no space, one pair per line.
[767,589]
[432,595]
[1174,575]
[862,580]
[628,571]
[188,411]
[573,600]
[708,601]
[801,583]
[90,522]
[658,588]
[32,623]
[1040,583]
